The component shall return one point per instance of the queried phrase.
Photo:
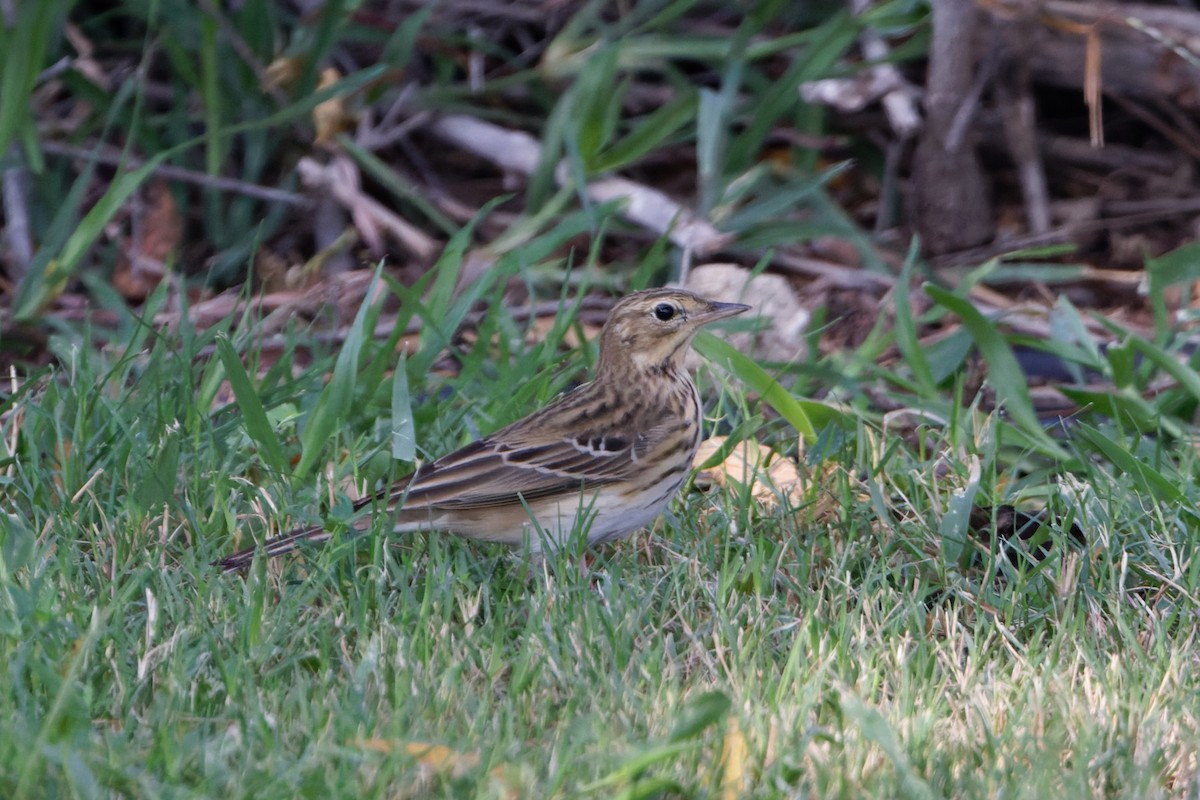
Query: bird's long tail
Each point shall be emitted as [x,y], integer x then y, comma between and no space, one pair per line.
[284,543]
[392,496]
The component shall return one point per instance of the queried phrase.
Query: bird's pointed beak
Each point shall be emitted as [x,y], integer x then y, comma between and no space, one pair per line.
[718,311]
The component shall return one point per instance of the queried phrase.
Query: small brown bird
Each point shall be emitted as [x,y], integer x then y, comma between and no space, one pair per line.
[608,455]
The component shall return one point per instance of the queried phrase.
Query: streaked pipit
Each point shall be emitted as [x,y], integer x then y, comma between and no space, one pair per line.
[614,451]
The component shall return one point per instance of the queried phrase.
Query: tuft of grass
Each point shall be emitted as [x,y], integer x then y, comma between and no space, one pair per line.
[827,646]
[857,639]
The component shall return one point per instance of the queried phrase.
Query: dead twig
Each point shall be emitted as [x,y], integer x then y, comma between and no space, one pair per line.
[516,151]
[1020,132]
[340,179]
[16,218]
[113,157]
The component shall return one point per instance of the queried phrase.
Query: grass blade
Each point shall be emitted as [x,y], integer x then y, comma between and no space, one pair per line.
[335,398]
[758,379]
[404,432]
[1004,373]
[36,293]
[24,45]
[874,726]
[254,416]
[907,340]
[1144,476]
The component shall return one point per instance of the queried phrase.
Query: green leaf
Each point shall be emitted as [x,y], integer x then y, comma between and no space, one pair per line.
[33,293]
[711,119]
[374,374]
[1122,364]
[17,548]
[1151,481]
[906,330]
[69,687]
[1181,265]
[449,264]
[211,95]
[404,432]
[773,203]
[1168,363]
[1125,406]
[639,763]
[36,293]
[816,58]
[24,46]
[1070,338]
[254,416]
[1004,373]
[947,355]
[875,728]
[652,787]
[759,380]
[443,312]
[157,487]
[595,103]
[335,399]
[1007,272]
[403,41]
[652,131]
[700,713]
[955,523]
[523,246]
[332,17]
[375,167]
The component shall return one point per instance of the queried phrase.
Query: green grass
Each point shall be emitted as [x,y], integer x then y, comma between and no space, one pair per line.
[854,641]
[823,649]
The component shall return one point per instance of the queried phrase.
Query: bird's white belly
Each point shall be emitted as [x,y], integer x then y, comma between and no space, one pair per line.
[605,517]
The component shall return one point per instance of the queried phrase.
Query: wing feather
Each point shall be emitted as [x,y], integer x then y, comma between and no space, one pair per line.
[513,464]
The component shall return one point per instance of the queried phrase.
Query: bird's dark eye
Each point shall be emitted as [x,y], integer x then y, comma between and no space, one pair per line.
[664,311]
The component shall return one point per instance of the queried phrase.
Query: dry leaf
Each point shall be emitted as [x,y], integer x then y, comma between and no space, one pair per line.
[438,760]
[435,758]
[734,753]
[330,117]
[271,269]
[749,462]
[541,326]
[157,232]
[282,73]
[728,776]
[772,300]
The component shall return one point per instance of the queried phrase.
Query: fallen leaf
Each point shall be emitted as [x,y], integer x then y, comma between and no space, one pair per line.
[734,753]
[749,462]
[437,759]
[781,317]
[157,232]
[282,73]
[331,117]
[540,327]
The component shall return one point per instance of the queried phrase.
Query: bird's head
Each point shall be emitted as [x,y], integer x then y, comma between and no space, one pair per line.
[651,330]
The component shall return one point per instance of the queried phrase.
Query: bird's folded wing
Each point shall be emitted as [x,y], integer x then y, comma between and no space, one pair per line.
[497,472]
